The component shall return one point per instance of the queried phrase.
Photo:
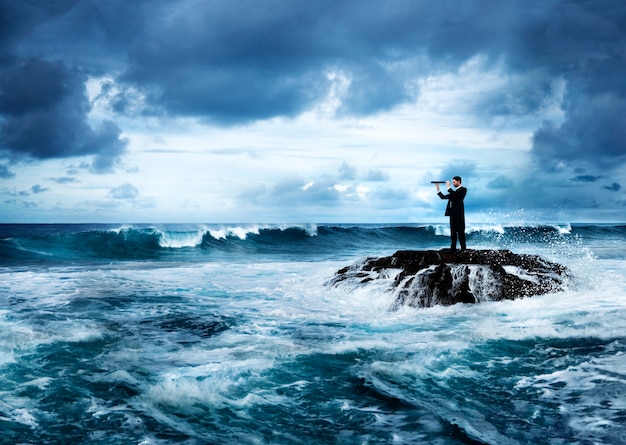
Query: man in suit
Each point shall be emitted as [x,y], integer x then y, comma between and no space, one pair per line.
[455,210]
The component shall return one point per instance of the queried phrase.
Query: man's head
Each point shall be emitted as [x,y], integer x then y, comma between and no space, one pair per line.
[456,181]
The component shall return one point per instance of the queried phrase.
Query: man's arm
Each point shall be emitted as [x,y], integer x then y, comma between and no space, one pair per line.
[454,195]
[440,193]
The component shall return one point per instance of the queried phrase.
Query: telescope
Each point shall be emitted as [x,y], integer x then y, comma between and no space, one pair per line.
[437,182]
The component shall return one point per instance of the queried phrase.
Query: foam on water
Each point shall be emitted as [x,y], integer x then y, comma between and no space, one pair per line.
[176,240]
[243,231]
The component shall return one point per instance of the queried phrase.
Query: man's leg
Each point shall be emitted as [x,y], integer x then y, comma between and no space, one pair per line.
[453,234]
[462,237]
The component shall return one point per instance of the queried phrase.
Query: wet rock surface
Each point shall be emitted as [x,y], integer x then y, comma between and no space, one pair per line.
[425,278]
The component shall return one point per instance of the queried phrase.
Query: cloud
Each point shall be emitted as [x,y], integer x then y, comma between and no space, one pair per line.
[124,191]
[466,169]
[501,182]
[295,191]
[347,172]
[29,204]
[241,61]
[376,175]
[38,189]
[585,42]
[5,173]
[386,198]
[326,191]
[43,115]
[615,187]
[65,180]
[587,178]
[207,59]
[246,61]
[333,195]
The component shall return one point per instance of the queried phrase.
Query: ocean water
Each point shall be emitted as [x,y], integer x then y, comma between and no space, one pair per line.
[229,334]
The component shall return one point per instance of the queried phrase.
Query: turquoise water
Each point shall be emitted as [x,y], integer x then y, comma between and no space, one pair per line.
[228,334]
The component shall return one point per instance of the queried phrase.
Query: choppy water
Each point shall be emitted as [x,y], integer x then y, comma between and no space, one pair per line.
[228,335]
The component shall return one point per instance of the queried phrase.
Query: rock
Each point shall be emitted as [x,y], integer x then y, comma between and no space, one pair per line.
[427,278]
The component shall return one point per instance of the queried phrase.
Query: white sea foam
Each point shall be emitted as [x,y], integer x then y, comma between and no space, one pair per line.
[239,232]
[442,230]
[520,273]
[24,416]
[242,231]
[120,229]
[169,239]
[476,227]
[574,389]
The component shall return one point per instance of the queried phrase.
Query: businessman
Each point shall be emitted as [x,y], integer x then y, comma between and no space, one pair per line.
[455,210]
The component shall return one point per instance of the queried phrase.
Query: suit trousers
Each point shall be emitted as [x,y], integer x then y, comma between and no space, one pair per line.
[457,229]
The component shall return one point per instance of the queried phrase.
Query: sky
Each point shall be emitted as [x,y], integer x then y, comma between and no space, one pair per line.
[299,111]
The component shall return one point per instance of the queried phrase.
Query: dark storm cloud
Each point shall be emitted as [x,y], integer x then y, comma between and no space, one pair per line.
[233,62]
[17,19]
[587,178]
[615,187]
[5,173]
[236,61]
[43,101]
[587,41]
[43,115]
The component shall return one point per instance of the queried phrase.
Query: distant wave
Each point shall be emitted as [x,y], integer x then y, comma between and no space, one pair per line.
[67,242]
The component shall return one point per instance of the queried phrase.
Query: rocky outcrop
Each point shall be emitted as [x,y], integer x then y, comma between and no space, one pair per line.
[428,278]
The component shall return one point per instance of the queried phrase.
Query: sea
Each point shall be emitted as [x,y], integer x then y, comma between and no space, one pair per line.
[231,334]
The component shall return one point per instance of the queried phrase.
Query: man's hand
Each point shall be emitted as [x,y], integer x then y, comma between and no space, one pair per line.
[448,184]
[437,186]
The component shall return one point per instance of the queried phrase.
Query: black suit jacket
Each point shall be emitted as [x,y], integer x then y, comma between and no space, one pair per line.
[455,207]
